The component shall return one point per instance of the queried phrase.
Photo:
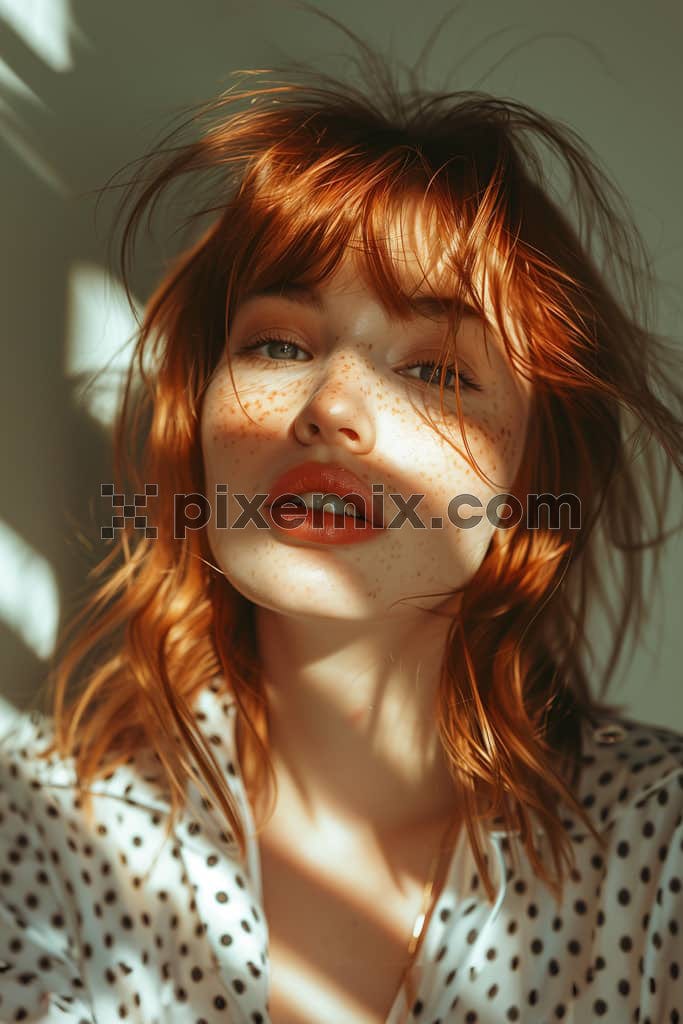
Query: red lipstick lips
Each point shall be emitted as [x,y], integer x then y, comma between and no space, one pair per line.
[287,512]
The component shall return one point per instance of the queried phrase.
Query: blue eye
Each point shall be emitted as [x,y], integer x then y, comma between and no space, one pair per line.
[432,377]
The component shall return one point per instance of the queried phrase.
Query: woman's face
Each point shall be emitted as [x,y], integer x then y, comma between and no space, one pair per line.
[344,395]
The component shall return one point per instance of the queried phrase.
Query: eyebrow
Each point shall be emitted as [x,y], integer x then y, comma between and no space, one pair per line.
[306,295]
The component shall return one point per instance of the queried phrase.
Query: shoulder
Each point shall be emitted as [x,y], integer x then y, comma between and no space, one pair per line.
[113,897]
[37,925]
[35,779]
[615,931]
[130,805]
[633,791]
[626,765]
[29,778]
[26,736]
[630,788]
[43,817]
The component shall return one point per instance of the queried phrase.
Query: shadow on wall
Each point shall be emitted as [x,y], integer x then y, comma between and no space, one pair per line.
[84,88]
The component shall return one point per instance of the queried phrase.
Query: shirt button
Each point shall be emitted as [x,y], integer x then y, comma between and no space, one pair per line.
[609,733]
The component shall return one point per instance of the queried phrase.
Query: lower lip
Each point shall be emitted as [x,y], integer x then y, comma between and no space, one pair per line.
[332,529]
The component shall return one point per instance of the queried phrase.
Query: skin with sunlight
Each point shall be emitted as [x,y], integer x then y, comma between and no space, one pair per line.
[349,377]
[349,641]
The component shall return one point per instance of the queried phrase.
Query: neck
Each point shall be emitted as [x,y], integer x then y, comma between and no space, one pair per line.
[352,718]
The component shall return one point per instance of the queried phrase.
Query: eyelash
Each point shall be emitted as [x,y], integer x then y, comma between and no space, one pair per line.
[465,379]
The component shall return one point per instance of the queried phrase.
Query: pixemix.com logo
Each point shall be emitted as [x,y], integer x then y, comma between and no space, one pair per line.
[123,511]
[195,511]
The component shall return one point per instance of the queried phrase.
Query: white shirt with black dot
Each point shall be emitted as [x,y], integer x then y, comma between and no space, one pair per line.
[112,921]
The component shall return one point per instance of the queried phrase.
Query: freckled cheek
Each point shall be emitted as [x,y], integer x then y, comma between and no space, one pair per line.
[496,444]
[510,438]
[497,438]
[226,420]
[500,447]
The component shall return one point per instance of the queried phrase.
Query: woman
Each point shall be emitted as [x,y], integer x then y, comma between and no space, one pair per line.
[318,760]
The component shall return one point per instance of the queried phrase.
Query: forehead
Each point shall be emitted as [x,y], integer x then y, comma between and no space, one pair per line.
[351,278]
[417,249]
[421,257]
[414,276]
[401,260]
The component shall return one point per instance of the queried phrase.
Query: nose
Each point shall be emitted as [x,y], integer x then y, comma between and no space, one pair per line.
[337,414]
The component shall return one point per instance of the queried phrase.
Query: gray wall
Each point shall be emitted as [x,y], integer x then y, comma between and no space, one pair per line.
[93,87]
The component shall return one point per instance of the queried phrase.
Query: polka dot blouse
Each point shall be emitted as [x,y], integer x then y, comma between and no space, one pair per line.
[113,921]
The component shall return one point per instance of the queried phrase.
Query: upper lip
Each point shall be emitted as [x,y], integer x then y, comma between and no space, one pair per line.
[326,478]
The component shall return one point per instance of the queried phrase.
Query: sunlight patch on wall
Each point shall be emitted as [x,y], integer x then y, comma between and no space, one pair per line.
[100,332]
[44,26]
[10,82]
[14,92]
[29,597]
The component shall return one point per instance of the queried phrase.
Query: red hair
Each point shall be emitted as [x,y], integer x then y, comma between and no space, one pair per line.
[296,172]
